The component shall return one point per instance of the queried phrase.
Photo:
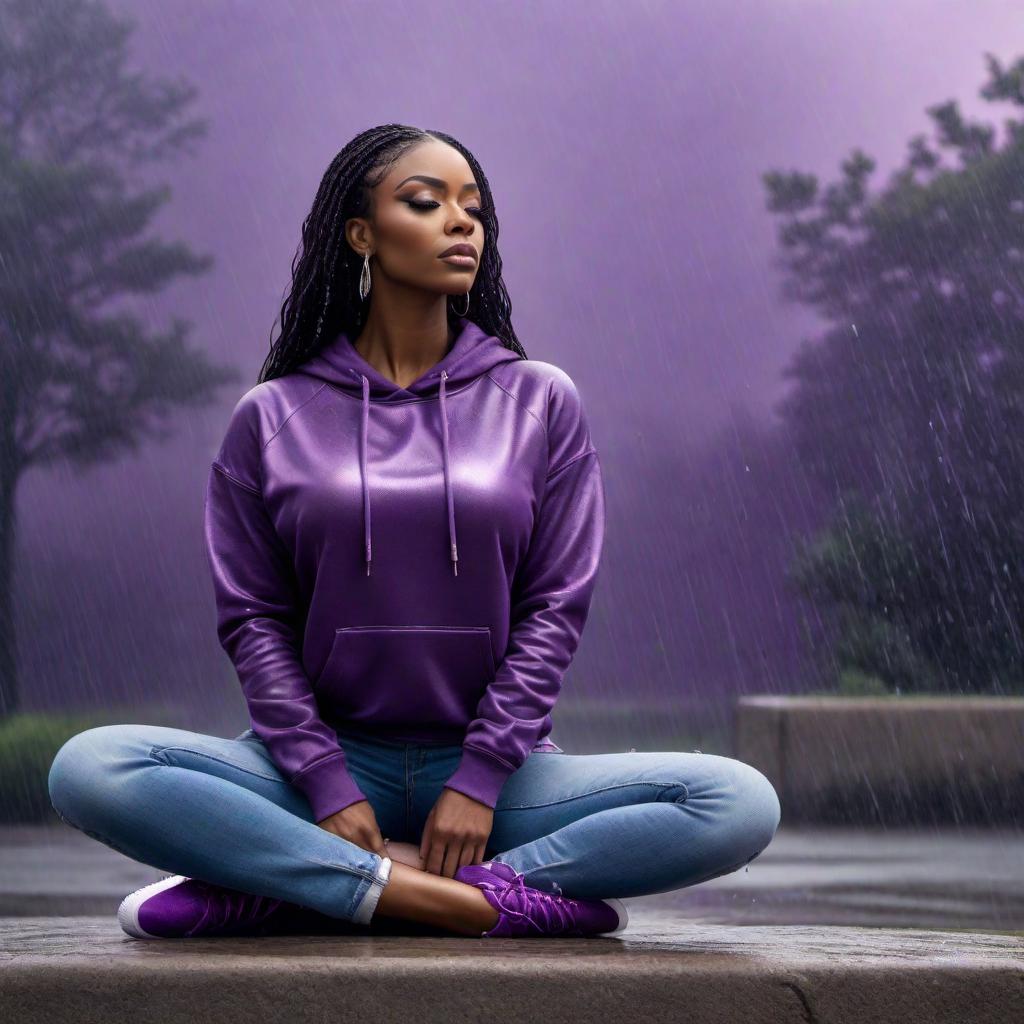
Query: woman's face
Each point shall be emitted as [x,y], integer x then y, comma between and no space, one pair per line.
[414,221]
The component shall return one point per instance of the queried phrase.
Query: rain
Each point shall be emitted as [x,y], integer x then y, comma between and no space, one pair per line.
[777,248]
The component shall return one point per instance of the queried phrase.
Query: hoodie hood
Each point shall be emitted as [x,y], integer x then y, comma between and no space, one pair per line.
[472,354]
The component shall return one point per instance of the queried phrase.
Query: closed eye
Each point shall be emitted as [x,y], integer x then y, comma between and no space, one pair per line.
[476,211]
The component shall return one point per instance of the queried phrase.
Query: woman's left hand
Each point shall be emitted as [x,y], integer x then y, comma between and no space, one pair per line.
[456,833]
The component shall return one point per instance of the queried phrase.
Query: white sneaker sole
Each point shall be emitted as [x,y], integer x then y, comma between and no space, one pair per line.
[620,908]
[128,911]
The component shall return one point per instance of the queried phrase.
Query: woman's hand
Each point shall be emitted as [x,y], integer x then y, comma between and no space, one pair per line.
[358,824]
[455,834]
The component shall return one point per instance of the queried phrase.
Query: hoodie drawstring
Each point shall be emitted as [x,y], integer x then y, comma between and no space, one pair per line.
[448,489]
[362,468]
[449,495]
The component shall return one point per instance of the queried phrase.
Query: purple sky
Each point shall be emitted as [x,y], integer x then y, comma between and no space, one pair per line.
[624,143]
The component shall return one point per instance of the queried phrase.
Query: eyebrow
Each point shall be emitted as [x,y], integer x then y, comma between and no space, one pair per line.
[437,183]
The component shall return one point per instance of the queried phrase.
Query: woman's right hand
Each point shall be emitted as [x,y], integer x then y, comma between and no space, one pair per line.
[358,824]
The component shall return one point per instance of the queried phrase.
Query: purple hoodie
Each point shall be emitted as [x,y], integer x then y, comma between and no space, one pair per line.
[414,564]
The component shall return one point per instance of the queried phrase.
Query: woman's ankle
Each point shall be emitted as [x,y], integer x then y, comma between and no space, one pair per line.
[416,895]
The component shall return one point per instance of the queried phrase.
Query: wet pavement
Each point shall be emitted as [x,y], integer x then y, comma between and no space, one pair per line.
[827,925]
[950,878]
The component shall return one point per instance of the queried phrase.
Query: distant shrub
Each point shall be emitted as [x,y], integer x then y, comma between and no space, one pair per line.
[29,741]
[854,683]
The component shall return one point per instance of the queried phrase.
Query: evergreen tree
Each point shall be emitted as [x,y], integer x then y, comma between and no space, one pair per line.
[910,408]
[82,380]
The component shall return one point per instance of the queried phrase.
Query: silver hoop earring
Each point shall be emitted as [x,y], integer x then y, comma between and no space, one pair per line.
[465,311]
[364,277]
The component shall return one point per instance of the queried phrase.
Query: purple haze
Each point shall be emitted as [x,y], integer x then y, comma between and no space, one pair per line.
[624,144]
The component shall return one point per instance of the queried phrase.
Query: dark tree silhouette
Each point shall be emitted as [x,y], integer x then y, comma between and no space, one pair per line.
[80,380]
[910,409]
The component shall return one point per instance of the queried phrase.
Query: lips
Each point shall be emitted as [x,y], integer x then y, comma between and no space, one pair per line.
[462,249]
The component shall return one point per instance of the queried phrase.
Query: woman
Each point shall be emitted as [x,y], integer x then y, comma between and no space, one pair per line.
[404,524]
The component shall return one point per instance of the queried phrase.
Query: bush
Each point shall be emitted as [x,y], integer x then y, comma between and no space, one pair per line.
[29,741]
[853,683]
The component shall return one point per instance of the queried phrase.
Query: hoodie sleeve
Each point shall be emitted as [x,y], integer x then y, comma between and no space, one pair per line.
[259,621]
[551,598]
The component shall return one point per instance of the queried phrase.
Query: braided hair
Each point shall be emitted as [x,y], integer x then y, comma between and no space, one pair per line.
[324,300]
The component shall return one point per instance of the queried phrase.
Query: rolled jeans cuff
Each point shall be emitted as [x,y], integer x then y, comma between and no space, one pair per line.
[368,905]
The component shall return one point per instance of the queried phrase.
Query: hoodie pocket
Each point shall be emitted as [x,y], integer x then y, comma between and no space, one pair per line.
[420,681]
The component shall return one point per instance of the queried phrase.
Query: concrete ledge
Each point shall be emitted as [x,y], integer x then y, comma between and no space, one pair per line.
[888,760]
[86,969]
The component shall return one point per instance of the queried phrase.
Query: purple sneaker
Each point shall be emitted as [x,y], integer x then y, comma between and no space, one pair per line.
[525,911]
[181,907]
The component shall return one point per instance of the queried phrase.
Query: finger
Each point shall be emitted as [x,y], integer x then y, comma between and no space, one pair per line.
[369,839]
[469,852]
[425,838]
[451,861]
[435,856]
[464,857]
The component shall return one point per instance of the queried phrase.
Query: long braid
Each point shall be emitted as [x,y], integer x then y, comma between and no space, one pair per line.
[324,300]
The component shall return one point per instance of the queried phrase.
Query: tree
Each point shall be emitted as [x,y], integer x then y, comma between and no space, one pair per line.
[80,380]
[910,409]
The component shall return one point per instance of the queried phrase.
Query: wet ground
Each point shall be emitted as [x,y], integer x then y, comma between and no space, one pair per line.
[827,925]
[893,878]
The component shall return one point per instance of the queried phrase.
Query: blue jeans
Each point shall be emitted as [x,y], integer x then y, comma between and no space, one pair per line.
[587,825]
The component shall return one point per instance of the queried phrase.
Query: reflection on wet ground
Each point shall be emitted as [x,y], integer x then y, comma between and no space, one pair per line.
[923,878]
